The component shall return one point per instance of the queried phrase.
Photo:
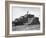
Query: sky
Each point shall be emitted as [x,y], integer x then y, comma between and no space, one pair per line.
[21,11]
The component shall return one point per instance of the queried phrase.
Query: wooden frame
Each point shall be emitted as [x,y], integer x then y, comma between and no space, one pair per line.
[7,19]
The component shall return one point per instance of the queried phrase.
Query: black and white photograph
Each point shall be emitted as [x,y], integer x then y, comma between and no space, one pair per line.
[25,18]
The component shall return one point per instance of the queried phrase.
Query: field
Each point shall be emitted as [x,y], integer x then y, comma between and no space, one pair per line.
[25,27]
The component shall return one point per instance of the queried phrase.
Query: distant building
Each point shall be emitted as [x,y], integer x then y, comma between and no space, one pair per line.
[26,19]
